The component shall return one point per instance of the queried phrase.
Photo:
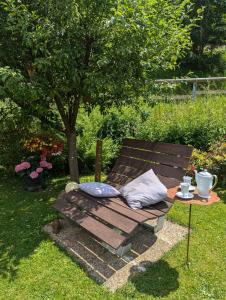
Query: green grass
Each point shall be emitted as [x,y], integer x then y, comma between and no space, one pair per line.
[33,267]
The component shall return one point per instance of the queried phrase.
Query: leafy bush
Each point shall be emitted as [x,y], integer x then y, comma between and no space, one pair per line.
[214,161]
[14,127]
[117,126]
[200,123]
[89,125]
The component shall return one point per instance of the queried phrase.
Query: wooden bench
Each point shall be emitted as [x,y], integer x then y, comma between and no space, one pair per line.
[110,220]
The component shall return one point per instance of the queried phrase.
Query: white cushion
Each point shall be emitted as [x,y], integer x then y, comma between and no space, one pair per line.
[99,189]
[145,190]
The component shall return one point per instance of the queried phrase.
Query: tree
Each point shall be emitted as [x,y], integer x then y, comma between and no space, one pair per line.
[57,56]
[211,28]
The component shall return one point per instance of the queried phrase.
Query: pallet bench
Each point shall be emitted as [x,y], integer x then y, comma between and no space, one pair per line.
[110,220]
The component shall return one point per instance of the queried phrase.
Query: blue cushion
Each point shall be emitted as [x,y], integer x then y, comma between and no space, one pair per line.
[99,189]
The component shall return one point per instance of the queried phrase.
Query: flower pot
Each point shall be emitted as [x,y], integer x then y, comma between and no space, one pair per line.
[33,185]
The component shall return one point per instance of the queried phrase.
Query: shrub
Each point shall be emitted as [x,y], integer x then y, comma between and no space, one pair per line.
[214,161]
[117,125]
[200,123]
[14,127]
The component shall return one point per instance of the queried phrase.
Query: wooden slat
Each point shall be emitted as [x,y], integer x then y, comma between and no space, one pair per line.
[129,171]
[161,158]
[125,174]
[98,229]
[162,206]
[98,210]
[119,178]
[139,215]
[175,149]
[152,211]
[163,170]
[117,186]
[169,182]
[123,210]
[119,200]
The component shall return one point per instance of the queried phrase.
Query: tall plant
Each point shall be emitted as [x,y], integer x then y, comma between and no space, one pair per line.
[210,29]
[57,56]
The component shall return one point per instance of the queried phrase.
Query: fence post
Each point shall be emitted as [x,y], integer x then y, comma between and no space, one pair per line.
[98,161]
[194,90]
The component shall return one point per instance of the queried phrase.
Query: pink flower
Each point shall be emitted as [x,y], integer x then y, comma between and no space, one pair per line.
[39,170]
[33,175]
[44,164]
[49,166]
[25,165]
[18,168]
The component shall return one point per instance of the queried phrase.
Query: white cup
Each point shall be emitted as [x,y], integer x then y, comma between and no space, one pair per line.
[185,188]
[187,179]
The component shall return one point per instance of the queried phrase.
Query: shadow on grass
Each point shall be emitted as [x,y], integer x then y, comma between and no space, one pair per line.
[159,280]
[23,215]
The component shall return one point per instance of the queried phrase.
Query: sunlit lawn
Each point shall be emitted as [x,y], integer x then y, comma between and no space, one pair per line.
[33,267]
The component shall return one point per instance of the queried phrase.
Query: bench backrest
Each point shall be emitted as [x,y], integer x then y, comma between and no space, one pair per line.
[168,161]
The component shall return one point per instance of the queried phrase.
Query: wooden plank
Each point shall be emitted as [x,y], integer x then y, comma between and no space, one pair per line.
[175,149]
[163,170]
[121,209]
[161,158]
[169,182]
[129,171]
[98,210]
[162,206]
[125,174]
[98,229]
[156,212]
[119,178]
[120,201]
[117,186]
[152,211]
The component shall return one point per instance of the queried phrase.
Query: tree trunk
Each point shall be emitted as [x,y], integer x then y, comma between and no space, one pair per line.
[72,156]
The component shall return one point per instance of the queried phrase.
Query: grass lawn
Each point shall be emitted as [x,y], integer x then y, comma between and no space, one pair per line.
[32,267]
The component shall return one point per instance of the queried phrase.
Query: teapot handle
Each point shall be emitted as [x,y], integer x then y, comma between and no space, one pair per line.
[215,183]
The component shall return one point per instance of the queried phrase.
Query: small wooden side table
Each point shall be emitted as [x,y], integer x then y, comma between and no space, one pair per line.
[196,201]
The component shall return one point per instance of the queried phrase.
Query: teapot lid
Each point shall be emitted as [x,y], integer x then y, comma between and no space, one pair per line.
[205,173]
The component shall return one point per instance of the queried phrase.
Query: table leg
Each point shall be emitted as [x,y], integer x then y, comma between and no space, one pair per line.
[189,232]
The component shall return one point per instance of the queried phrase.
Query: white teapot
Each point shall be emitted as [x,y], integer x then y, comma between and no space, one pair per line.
[204,182]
